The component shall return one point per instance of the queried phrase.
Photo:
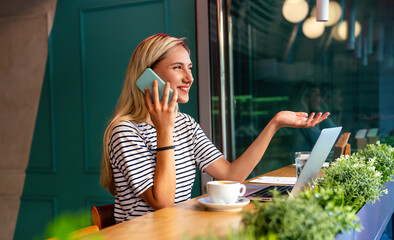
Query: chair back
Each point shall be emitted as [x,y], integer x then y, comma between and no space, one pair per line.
[103,216]
[342,147]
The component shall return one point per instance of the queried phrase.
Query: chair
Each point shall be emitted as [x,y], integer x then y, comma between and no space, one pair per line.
[342,147]
[103,216]
[80,233]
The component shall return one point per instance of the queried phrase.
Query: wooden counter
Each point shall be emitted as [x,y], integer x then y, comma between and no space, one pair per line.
[192,219]
[185,219]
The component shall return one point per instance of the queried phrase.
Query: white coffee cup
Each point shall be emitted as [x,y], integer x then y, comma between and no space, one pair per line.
[225,192]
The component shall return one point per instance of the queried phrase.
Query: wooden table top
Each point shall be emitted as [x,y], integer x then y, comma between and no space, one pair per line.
[185,219]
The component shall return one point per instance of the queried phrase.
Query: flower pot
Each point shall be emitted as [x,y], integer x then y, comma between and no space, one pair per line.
[374,217]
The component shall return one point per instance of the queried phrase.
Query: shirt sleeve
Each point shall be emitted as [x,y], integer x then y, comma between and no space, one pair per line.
[130,154]
[204,150]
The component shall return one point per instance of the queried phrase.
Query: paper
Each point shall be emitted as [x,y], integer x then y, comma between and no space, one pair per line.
[361,133]
[373,132]
[275,180]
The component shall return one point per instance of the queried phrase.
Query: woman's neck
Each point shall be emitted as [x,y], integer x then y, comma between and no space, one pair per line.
[149,121]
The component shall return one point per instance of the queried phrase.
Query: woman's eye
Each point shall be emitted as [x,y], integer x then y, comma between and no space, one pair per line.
[177,67]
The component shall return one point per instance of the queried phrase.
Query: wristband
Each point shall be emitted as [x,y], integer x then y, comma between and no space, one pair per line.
[165,148]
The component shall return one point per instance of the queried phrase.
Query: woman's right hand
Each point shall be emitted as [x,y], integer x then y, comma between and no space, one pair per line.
[161,113]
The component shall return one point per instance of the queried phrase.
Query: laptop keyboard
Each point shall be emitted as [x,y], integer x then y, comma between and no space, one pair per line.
[266,191]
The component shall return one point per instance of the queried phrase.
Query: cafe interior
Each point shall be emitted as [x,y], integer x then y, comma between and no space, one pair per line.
[63,65]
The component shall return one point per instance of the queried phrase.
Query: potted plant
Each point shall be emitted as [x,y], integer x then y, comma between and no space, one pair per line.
[349,201]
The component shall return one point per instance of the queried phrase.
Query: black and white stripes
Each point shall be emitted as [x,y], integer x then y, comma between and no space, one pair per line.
[133,158]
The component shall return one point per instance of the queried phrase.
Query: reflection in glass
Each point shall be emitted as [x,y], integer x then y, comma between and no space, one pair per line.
[274,66]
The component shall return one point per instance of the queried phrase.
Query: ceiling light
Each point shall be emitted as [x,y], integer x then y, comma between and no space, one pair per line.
[295,10]
[340,30]
[312,29]
[335,13]
[322,10]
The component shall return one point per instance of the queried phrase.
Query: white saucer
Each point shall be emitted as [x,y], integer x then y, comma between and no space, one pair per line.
[237,206]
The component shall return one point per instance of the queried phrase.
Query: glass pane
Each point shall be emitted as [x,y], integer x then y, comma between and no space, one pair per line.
[215,74]
[280,65]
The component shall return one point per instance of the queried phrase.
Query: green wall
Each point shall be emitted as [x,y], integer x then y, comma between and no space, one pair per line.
[89,50]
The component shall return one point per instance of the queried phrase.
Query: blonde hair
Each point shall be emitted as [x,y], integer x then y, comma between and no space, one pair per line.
[131,103]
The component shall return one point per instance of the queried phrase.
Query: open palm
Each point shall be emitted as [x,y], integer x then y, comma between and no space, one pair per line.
[299,119]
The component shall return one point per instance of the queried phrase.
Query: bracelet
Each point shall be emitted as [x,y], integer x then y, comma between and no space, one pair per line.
[165,148]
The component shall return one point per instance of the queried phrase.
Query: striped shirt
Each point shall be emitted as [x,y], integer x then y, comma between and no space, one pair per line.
[132,151]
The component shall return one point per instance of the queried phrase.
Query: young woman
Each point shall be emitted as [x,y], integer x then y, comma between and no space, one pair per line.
[151,149]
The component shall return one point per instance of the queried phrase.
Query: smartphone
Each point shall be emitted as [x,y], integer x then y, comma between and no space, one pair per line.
[146,80]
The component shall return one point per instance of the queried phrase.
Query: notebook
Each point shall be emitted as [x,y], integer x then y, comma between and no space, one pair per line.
[318,156]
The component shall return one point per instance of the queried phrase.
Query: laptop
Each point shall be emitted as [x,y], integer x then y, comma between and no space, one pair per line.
[318,156]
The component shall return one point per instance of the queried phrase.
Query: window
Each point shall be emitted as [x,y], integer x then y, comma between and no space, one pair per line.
[272,64]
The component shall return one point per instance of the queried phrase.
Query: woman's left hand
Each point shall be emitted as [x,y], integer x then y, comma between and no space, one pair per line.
[298,119]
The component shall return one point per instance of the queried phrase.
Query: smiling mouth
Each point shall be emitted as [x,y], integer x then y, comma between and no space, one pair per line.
[184,89]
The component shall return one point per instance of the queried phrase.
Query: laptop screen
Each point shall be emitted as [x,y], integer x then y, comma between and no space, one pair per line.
[318,156]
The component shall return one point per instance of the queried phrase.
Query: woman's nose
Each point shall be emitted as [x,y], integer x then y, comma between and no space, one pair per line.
[188,76]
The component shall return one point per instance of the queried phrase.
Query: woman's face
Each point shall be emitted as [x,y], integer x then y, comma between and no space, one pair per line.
[176,68]
[315,101]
